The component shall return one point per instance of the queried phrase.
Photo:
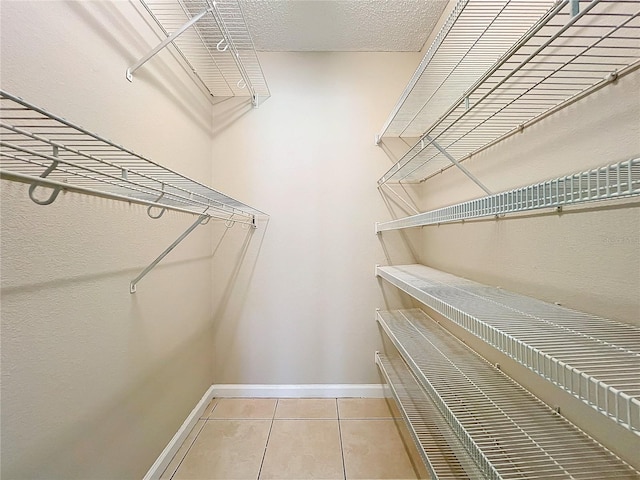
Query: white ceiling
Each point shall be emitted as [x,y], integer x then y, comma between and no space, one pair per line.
[341,25]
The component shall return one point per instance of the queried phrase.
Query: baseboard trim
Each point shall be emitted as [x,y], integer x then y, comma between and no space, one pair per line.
[162,462]
[372,390]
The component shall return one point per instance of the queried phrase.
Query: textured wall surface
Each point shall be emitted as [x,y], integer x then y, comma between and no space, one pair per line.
[95,381]
[585,257]
[296,304]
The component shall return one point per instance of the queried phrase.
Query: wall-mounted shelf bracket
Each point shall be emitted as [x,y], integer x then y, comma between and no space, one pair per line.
[202,219]
[471,176]
[164,43]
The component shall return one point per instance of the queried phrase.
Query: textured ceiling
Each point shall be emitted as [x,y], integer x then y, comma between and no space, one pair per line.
[341,25]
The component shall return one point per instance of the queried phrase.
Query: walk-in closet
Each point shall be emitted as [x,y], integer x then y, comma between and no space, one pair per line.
[320,239]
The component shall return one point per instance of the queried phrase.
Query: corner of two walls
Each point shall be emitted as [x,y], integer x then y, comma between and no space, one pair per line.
[296,296]
[95,381]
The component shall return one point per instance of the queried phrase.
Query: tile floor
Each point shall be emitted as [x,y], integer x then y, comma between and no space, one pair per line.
[310,438]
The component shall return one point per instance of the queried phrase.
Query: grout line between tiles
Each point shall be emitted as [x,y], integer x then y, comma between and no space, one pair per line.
[266,445]
[189,448]
[344,467]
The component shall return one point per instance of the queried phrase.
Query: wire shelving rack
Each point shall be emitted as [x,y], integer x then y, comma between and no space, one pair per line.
[33,140]
[620,180]
[213,38]
[475,35]
[595,359]
[54,155]
[508,432]
[441,450]
[564,56]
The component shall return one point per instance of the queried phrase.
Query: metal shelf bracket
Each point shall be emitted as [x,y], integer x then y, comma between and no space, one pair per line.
[201,220]
[165,42]
[471,176]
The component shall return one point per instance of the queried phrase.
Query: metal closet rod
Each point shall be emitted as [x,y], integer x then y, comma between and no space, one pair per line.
[95,152]
[66,187]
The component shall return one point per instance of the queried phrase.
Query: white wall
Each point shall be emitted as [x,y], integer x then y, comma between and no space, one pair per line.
[296,305]
[95,381]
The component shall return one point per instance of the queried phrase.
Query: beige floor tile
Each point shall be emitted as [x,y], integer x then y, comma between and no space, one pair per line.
[373,449]
[209,409]
[296,408]
[226,449]
[352,408]
[303,449]
[182,451]
[244,408]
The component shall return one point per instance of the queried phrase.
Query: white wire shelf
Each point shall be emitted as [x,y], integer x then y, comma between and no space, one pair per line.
[595,359]
[509,433]
[562,58]
[476,34]
[620,180]
[43,149]
[217,45]
[441,450]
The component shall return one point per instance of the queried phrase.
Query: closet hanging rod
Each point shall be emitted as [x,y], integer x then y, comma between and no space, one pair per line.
[66,187]
[88,163]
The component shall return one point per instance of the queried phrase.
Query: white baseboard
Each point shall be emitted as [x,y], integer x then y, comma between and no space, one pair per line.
[373,390]
[178,439]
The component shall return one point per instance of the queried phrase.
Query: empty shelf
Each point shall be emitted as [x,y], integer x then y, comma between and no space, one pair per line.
[595,359]
[217,47]
[441,450]
[614,181]
[43,149]
[563,57]
[476,34]
[509,432]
